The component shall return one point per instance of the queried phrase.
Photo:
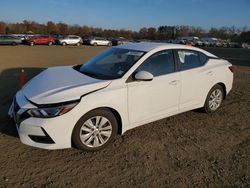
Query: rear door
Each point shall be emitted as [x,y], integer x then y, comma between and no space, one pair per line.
[38,40]
[102,42]
[70,40]
[44,39]
[196,78]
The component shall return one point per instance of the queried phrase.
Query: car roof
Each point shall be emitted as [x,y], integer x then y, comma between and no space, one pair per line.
[148,46]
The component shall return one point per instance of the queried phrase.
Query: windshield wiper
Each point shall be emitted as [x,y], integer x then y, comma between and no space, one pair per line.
[91,74]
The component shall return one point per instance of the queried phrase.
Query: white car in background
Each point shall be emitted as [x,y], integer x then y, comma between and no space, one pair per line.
[122,88]
[69,40]
[97,41]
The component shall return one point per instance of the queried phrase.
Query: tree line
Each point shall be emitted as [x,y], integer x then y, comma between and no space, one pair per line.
[150,33]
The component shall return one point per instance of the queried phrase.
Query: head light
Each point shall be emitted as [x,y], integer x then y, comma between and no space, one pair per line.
[51,111]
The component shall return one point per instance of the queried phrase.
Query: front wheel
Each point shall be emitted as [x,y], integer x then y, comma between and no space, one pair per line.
[214,99]
[95,130]
[32,43]
[50,43]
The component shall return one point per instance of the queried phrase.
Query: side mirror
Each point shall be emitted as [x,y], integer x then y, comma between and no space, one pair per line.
[144,76]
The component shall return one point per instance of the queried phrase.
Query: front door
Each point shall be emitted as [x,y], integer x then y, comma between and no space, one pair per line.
[152,99]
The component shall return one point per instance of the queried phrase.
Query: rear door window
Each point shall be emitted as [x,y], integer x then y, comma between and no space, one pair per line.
[188,59]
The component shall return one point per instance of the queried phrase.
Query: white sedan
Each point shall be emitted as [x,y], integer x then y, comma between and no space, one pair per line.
[99,42]
[69,40]
[122,88]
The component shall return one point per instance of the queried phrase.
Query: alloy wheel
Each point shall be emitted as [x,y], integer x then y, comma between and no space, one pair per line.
[215,99]
[96,131]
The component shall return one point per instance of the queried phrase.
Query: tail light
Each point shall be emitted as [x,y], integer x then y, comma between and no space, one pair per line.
[232,68]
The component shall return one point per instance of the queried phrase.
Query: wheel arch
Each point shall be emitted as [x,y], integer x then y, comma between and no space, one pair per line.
[224,91]
[114,112]
[223,87]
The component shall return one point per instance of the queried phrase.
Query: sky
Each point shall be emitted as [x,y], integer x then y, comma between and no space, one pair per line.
[129,14]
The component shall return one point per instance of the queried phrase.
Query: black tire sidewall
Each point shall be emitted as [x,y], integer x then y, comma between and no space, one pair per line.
[206,106]
[98,112]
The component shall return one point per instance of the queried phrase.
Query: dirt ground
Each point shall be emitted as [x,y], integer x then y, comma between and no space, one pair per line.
[192,149]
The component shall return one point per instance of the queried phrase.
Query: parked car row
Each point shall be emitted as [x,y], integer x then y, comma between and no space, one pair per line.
[204,42]
[65,40]
[50,40]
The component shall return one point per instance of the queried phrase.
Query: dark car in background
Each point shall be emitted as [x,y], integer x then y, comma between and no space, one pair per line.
[40,39]
[119,41]
[234,45]
[10,40]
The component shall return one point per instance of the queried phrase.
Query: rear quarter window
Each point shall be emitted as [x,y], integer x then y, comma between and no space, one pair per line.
[203,58]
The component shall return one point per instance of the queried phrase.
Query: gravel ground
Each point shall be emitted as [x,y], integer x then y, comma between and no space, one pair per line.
[192,149]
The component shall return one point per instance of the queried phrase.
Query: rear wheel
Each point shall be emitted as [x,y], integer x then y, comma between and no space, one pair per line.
[95,130]
[78,44]
[64,44]
[14,43]
[50,43]
[95,44]
[214,99]
[32,43]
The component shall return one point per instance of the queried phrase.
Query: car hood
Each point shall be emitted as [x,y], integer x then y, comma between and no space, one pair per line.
[60,84]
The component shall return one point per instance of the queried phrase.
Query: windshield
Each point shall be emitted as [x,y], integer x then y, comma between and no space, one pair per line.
[111,64]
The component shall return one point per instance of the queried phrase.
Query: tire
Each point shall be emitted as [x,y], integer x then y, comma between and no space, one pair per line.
[32,43]
[14,43]
[110,44]
[78,44]
[87,133]
[64,44]
[95,44]
[50,43]
[214,99]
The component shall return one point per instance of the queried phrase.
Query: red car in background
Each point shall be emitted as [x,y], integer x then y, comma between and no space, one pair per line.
[40,39]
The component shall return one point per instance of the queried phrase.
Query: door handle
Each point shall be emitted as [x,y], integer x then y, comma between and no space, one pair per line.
[210,73]
[174,82]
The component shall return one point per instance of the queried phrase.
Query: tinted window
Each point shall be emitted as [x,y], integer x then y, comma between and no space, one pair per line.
[203,58]
[188,59]
[159,64]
